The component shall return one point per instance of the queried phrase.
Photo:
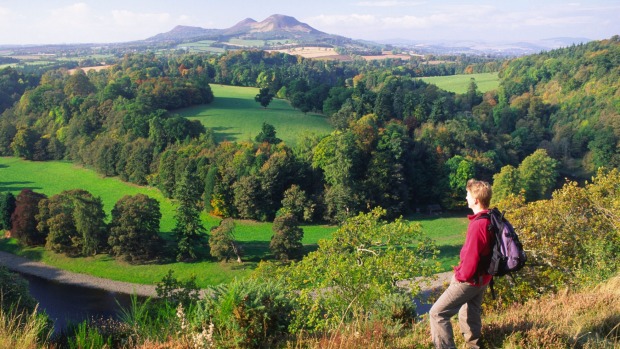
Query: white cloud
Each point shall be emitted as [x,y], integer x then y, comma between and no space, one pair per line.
[549,21]
[387,3]
[352,20]
[76,14]
[133,19]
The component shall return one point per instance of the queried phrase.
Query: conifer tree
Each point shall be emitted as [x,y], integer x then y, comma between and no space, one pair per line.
[189,230]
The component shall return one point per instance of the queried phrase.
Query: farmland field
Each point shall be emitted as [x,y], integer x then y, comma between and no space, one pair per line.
[235,116]
[459,83]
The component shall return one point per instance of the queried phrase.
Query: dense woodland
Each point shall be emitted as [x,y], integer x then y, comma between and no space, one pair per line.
[398,143]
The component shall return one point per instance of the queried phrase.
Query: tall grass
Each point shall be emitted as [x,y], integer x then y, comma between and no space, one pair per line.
[589,318]
[19,330]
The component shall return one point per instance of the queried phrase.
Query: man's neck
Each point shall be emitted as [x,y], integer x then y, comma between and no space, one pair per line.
[478,209]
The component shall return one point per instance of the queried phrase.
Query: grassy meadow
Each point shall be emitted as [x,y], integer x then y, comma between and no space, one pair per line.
[235,116]
[459,83]
[53,177]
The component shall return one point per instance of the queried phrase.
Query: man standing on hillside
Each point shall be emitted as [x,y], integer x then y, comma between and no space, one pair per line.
[466,290]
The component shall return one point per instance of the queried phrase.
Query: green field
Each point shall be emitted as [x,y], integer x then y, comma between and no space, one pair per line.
[201,46]
[52,177]
[235,116]
[459,83]
[247,43]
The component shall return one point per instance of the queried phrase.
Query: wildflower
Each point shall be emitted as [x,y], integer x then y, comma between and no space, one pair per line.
[204,339]
[181,316]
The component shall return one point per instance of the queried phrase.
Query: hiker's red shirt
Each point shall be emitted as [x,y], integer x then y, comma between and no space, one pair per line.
[477,244]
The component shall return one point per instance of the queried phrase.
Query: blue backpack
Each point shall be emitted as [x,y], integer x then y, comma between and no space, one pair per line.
[507,254]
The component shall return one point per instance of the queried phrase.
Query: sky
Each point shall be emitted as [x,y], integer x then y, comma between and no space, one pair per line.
[105,21]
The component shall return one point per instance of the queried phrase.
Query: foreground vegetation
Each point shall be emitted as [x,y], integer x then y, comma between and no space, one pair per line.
[345,295]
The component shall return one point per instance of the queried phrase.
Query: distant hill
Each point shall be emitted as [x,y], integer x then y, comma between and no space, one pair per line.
[477,47]
[181,32]
[274,27]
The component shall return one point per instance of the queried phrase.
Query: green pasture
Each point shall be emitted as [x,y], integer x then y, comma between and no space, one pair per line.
[201,46]
[235,116]
[247,43]
[279,42]
[460,83]
[52,177]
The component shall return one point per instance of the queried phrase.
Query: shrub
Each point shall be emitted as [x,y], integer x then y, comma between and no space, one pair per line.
[248,313]
[173,291]
[353,271]
[14,294]
[570,239]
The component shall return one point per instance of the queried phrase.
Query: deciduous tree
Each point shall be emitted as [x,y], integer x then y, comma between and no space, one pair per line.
[267,134]
[74,221]
[134,229]
[264,97]
[222,242]
[24,222]
[286,239]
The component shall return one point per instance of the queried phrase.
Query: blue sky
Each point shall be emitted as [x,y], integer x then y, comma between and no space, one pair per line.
[101,21]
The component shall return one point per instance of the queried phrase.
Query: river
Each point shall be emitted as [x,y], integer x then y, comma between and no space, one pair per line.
[66,303]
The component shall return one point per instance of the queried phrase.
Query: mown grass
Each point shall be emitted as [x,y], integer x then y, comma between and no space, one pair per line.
[460,83]
[448,230]
[53,177]
[235,116]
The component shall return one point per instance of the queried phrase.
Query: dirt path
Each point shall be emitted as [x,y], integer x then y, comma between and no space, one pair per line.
[26,266]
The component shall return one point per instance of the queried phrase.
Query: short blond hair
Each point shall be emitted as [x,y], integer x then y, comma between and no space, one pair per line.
[480,190]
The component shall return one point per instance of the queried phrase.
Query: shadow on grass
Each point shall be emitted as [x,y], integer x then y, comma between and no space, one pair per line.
[256,251]
[33,255]
[221,134]
[17,186]
[8,245]
[448,256]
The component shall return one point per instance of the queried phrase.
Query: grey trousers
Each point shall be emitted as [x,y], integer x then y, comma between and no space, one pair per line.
[464,299]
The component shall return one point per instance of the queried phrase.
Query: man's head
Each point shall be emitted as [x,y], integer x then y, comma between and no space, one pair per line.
[478,194]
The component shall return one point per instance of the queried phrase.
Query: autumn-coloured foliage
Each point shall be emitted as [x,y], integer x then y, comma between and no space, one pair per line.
[571,239]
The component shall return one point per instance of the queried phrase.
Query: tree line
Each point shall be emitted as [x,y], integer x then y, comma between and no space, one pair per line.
[74,223]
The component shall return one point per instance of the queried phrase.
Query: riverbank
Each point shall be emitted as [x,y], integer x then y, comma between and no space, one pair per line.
[26,266]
